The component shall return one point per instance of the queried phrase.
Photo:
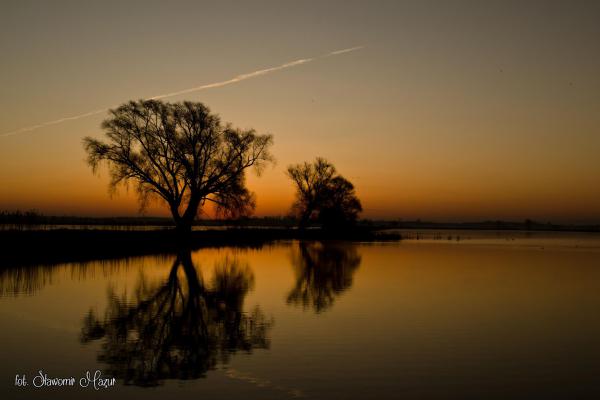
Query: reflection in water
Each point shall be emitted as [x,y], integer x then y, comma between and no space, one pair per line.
[15,281]
[181,328]
[423,320]
[323,272]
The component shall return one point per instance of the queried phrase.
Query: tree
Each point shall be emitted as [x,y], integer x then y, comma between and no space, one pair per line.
[341,207]
[323,195]
[182,154]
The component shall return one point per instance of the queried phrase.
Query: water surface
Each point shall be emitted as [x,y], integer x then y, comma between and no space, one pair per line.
[483,316]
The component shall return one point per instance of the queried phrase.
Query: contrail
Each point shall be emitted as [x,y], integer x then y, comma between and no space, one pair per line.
[348,50]
[235,79]
[56,121]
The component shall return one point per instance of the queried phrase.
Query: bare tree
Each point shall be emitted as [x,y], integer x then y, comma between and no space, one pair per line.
[311,179]
[181,153]
[322,194]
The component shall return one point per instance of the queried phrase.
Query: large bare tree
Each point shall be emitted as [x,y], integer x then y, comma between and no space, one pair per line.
[182,154]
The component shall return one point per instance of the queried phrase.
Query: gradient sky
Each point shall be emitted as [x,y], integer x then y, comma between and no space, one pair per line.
[452,110]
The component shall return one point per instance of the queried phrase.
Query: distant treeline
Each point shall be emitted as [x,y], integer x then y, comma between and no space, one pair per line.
[526,225]
[33,217]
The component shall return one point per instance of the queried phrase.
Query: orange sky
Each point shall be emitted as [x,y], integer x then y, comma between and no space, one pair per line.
[459,112]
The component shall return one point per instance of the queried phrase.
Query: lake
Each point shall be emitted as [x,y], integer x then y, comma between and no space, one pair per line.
[440,315]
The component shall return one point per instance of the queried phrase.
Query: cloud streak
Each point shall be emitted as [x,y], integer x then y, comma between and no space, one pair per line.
[235,79]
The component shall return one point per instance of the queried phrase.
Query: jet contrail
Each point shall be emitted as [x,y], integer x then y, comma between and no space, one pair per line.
[348,50]
[235,79]
[238,78]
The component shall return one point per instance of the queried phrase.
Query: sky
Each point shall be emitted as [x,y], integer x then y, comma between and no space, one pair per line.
[445,111]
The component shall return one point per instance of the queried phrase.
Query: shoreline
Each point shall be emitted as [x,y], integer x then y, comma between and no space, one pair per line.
[25,223]
[23,247]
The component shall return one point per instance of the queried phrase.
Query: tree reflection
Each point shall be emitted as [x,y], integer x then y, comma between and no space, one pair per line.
[323,272]
[181,328]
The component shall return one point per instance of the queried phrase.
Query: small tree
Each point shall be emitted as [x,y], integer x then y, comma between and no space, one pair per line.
[182,154]
[323,195]
[341,207]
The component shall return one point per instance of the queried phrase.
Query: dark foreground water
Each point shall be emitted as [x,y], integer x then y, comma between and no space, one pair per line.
[445,316]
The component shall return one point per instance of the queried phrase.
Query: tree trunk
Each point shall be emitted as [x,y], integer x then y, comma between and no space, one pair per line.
[183,225]
[185,222]
[304,218]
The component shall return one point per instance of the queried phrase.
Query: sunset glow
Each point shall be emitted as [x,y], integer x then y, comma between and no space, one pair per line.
[458,112]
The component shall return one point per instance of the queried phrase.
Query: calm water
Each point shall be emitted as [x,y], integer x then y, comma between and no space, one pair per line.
[482,316]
